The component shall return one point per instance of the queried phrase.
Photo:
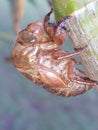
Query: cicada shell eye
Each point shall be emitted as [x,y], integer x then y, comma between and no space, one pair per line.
[27,37]
[36,29]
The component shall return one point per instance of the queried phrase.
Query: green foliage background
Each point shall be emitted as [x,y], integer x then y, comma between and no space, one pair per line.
[25,106]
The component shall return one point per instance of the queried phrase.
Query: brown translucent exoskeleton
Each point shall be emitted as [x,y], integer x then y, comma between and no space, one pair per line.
[38,57]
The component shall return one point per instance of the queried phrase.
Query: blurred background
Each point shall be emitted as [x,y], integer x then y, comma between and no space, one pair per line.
[25,106]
